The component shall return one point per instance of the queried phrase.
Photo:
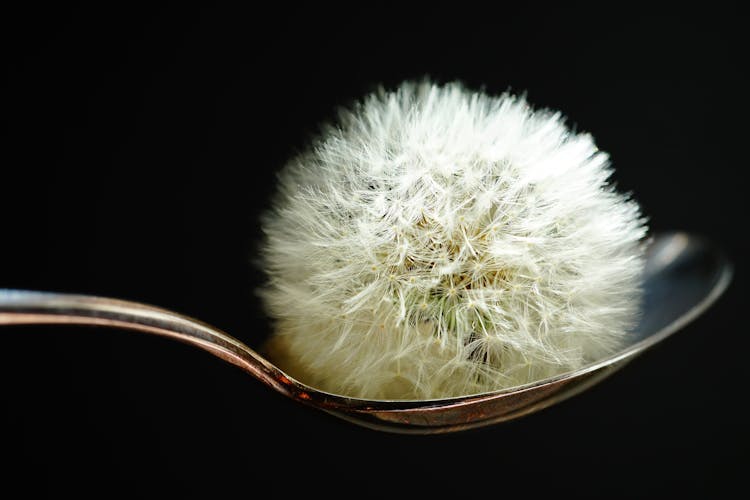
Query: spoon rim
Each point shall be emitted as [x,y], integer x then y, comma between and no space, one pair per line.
[335,401]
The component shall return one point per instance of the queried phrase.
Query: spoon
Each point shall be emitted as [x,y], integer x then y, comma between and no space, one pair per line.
[683,276]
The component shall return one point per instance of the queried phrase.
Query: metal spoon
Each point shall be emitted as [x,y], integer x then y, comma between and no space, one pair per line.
[684,275]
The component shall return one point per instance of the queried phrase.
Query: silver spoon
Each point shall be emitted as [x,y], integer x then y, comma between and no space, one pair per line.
[684,275]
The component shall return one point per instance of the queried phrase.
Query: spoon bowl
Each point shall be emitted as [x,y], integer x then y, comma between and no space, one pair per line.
[683,276]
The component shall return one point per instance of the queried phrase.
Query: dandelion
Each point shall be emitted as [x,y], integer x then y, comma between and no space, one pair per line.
[437,242]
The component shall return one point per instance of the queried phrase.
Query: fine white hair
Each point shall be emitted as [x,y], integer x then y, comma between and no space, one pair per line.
[438,242]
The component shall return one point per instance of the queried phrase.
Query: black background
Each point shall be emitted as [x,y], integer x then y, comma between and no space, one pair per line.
[141,145]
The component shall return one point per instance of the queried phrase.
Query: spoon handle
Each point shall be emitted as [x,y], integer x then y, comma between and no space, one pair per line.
[22,307]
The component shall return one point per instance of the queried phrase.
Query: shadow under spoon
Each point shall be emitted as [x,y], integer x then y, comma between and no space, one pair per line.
[683,276]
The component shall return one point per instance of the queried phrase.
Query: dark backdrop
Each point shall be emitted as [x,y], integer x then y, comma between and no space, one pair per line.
[141,145]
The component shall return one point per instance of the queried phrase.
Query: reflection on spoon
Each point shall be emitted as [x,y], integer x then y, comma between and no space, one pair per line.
[684,275]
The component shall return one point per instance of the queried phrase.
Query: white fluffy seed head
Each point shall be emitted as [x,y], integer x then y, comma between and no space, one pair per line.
[437,242]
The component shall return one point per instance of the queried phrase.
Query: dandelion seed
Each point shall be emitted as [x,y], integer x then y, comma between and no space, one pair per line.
[477,236]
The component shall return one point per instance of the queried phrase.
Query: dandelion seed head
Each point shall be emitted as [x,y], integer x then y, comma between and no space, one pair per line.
[438,242]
